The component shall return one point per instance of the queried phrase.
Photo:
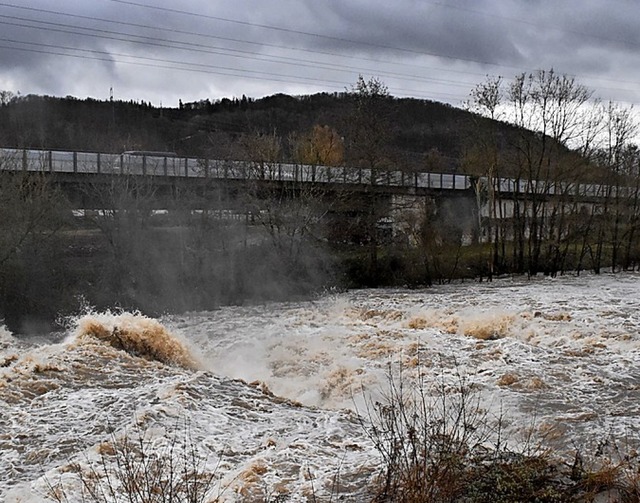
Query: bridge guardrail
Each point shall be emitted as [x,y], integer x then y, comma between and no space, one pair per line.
[101,163]
[174,166]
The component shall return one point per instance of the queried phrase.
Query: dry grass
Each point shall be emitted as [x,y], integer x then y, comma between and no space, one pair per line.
[442,449]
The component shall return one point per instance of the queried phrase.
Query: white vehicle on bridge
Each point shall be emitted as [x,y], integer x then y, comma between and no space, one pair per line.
[147,162]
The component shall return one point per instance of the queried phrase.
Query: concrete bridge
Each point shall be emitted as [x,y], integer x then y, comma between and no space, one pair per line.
[165,175]
[167,181]
[166,168]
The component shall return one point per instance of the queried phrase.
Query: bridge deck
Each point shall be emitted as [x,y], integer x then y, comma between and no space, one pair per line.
[172,166]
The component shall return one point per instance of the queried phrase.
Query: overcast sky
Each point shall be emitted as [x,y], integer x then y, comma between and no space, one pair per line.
[162,50]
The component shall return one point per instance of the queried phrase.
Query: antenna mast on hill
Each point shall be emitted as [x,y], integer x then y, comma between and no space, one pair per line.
[113,107]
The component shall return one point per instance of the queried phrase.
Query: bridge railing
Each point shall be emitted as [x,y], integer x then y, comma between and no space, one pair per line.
[175,166]
[544,187]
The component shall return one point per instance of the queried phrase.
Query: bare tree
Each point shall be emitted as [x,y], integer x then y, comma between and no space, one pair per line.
[33,214]
[619,129]
[547,154]
[286,209]
[123,206]
[32,211]
[631,166]
[368,148]
[322,146]
[484,160]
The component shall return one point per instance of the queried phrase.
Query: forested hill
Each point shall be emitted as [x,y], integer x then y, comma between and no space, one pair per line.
[418,134]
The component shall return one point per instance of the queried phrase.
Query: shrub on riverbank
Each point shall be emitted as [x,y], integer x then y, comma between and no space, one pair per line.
[438,445]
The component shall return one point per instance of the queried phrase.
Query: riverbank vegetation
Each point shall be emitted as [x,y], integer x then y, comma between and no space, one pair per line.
[438,444]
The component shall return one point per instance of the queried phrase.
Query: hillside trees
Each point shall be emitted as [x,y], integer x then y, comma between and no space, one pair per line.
[6,97]
[554,106]
[217,128]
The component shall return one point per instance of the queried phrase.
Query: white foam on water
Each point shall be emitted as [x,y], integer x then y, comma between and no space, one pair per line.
[6,338]
[556,357]
[567,347]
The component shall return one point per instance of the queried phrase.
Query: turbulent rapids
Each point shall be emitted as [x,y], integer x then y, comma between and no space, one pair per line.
[136,335]
[267,397]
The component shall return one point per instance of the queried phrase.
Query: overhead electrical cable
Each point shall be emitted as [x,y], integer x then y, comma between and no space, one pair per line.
[200,48]
[108,56]
[329,37]
[203,48]
[311,34]
[188,67]
[241,41]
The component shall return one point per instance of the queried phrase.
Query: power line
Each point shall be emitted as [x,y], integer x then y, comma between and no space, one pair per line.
[342,39]
[191,67]
[358,42]
[201,48]
[241,41]
[187,67]
[190,46]
[309,34]
[193,47]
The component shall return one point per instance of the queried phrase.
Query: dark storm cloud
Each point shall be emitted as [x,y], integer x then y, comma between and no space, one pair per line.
[420,27]
[600,24]
[195,49]
[34,40]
